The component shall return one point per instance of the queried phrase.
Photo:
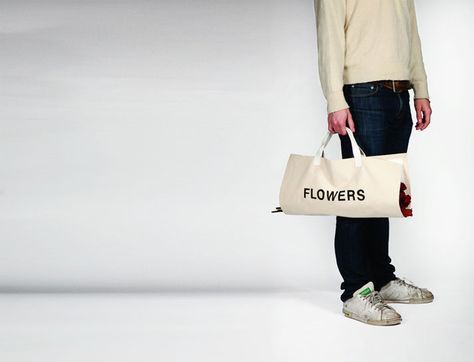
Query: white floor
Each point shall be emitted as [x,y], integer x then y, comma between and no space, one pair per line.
[226,327]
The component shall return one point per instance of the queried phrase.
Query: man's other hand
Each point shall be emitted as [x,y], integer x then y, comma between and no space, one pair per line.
[337,121]
[423,113]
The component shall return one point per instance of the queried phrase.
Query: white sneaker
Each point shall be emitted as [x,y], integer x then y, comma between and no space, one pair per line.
[367,306]
[402,290]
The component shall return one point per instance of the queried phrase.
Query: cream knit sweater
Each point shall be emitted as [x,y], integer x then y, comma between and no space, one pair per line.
[367,40]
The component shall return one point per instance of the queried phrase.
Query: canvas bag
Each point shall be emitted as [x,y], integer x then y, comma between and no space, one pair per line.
[360,186]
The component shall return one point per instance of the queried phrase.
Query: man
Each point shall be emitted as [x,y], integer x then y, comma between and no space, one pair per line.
[369,56]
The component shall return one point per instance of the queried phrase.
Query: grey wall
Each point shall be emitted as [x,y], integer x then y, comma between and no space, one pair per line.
[142,145]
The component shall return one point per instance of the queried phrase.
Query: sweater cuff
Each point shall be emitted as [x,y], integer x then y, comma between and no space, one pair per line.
[336,101]
[420,89]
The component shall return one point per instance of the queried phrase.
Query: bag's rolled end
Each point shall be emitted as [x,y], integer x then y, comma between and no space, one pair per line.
[277,209]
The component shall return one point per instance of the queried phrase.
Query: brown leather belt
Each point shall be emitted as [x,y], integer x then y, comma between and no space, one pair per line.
[396,85]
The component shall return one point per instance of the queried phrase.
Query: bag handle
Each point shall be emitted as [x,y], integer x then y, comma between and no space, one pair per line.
[354,145]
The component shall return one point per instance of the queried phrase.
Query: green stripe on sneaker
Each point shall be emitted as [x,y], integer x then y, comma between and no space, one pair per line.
[366,291]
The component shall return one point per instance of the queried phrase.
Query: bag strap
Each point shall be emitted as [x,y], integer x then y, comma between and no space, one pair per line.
[354,145]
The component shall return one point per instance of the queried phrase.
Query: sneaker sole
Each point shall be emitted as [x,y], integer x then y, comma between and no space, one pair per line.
[409,301]
[386,322]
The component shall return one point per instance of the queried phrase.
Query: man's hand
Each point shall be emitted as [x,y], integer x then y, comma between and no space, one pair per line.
[423,113]
[337,121]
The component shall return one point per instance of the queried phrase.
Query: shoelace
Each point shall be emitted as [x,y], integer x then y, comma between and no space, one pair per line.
[376,301]
[407,283]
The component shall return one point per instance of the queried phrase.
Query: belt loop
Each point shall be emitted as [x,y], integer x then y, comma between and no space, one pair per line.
[393,85]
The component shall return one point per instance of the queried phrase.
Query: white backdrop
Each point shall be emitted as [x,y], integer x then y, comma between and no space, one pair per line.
[142,145]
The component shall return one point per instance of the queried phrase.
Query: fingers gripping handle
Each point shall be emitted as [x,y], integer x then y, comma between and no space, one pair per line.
[354,145]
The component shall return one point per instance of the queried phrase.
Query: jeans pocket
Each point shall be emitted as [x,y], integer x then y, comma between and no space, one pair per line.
[361,89]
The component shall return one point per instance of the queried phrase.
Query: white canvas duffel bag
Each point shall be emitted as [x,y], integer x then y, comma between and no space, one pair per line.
[361,186]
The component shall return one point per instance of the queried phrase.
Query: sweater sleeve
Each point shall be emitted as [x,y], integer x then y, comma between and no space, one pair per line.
[330,21]
[417,68]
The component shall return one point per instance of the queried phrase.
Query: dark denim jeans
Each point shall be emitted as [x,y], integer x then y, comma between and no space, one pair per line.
[383,125]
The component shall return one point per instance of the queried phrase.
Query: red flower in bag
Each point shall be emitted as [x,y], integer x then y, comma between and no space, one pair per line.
[405,201]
